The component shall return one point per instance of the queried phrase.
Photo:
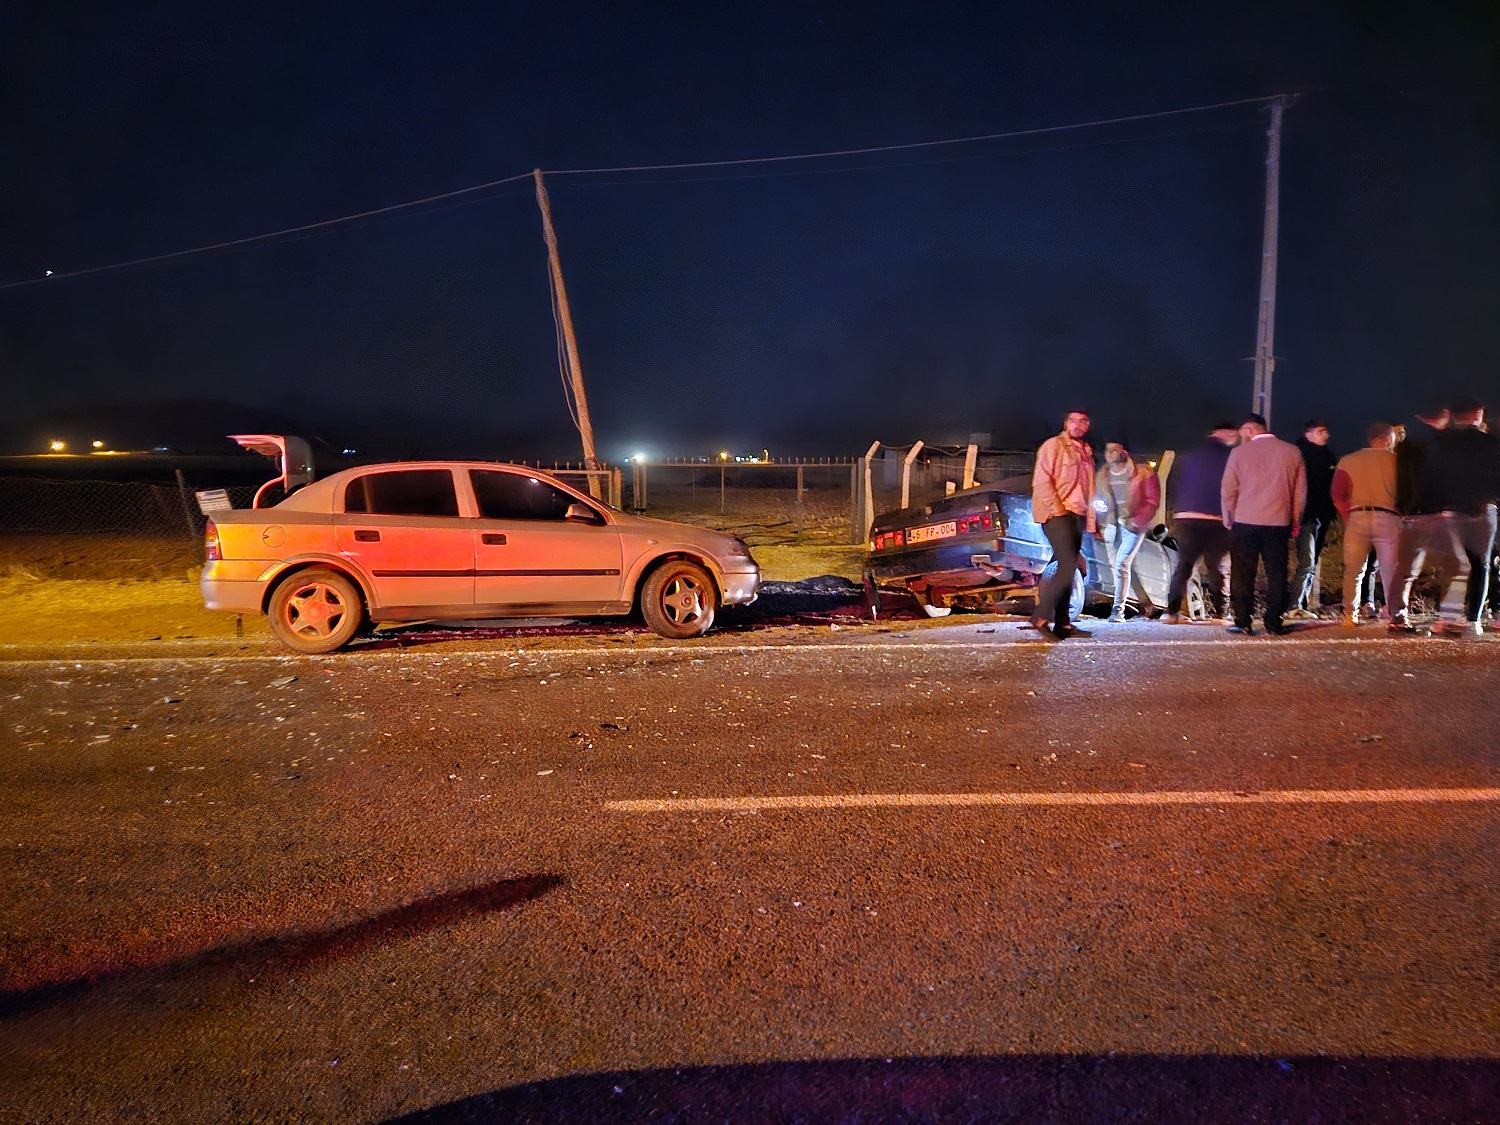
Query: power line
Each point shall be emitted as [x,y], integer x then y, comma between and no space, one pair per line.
[916,144]
[237,242]
[327,224]
[954,159]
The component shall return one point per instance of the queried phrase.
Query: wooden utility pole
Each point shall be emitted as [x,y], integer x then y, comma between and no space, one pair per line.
[1265,329]
[570,342]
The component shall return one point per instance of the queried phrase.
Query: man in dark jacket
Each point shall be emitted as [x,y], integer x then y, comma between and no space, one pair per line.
[1461,479]
[1198,522]
[1317,518]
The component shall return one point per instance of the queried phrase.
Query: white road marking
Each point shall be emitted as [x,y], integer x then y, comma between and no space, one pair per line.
[455,648]
[1060,800]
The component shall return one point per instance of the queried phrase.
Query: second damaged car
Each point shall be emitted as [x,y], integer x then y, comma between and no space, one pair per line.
[980,549]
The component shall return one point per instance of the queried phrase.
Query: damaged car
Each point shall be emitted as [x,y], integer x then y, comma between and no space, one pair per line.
[981,550]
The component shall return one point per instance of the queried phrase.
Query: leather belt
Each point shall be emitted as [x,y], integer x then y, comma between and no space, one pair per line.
[1388,511]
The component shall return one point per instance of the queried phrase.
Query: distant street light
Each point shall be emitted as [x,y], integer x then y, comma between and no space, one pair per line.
[57,446]
[98,444]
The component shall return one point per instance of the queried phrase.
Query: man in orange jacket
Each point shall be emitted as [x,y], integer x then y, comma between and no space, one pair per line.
[1062,502]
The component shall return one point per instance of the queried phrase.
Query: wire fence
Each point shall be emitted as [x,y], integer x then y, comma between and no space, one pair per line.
[87,527]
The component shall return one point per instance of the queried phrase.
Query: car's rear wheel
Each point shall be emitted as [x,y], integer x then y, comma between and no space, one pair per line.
[316,611]
[678,600]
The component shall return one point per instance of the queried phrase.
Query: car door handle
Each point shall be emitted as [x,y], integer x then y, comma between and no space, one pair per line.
[367,537]
[494,538]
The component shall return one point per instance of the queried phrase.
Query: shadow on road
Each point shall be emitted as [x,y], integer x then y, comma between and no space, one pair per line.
[269,957]
[1159,1089]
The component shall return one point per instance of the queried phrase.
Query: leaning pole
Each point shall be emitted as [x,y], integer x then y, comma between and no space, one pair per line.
[1265,329]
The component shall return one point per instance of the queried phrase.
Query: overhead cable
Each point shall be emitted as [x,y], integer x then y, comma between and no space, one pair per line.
[327,224]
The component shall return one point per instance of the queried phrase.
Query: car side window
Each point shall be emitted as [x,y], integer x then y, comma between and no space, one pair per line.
[405,492]
[515,496]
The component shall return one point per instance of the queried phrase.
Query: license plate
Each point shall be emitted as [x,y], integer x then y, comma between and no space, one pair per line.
[931,532]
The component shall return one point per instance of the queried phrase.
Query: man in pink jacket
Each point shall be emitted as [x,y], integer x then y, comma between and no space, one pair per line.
[1126,496]
[1263,494]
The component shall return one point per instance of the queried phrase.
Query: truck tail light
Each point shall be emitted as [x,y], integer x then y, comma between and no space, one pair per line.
[211,549]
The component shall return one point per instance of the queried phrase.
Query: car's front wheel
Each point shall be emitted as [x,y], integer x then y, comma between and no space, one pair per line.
[316,611]
[1077,593]
[678,600]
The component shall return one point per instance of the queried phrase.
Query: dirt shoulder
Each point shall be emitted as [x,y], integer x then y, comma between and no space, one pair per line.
[39,608]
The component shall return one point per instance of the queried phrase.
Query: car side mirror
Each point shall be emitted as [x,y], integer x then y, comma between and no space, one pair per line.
[581,513]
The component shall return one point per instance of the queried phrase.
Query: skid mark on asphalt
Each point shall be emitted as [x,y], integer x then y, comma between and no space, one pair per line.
[818,802]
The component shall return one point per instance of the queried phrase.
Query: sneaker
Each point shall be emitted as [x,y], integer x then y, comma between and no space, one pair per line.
[1277,629]
[1117,617]
[1400,625]
[1171,618]
[1349,621]
[1070,631]
[1241,630]
[1302,615]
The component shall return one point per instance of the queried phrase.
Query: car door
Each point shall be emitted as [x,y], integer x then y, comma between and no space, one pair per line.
[530,554]
[403,527]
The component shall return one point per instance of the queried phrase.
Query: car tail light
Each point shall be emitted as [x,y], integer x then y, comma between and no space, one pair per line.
[211,550]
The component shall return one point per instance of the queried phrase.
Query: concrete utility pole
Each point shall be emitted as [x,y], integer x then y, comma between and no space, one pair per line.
[565,318]
[1265,329]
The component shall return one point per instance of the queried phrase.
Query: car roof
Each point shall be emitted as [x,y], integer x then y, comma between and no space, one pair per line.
[315,496]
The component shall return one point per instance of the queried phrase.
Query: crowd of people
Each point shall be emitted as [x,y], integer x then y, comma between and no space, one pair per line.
[1411,504]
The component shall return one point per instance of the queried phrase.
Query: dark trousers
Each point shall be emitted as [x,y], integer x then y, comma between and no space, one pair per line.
[1249,544]
[1199,539]
[1311,537]
[1065,534]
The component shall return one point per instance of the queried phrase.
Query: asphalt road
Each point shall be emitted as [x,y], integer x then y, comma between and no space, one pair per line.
[907,873]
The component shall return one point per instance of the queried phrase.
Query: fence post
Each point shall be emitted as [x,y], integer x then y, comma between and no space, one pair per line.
[971,455]
[187,512]
[867,517]
[906,474]
[799,499]
[721,490]
[854,502]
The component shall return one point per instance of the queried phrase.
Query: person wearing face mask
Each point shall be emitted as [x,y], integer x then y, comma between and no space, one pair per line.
[1126,496]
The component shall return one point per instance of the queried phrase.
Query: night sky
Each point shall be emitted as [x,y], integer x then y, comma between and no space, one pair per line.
[805,307]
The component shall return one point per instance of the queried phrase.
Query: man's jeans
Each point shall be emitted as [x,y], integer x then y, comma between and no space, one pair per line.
[1249,544]
[1199,539]
[1123,547]
[1310,539]
[1065,534]
[1472,539]
[1381,530]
